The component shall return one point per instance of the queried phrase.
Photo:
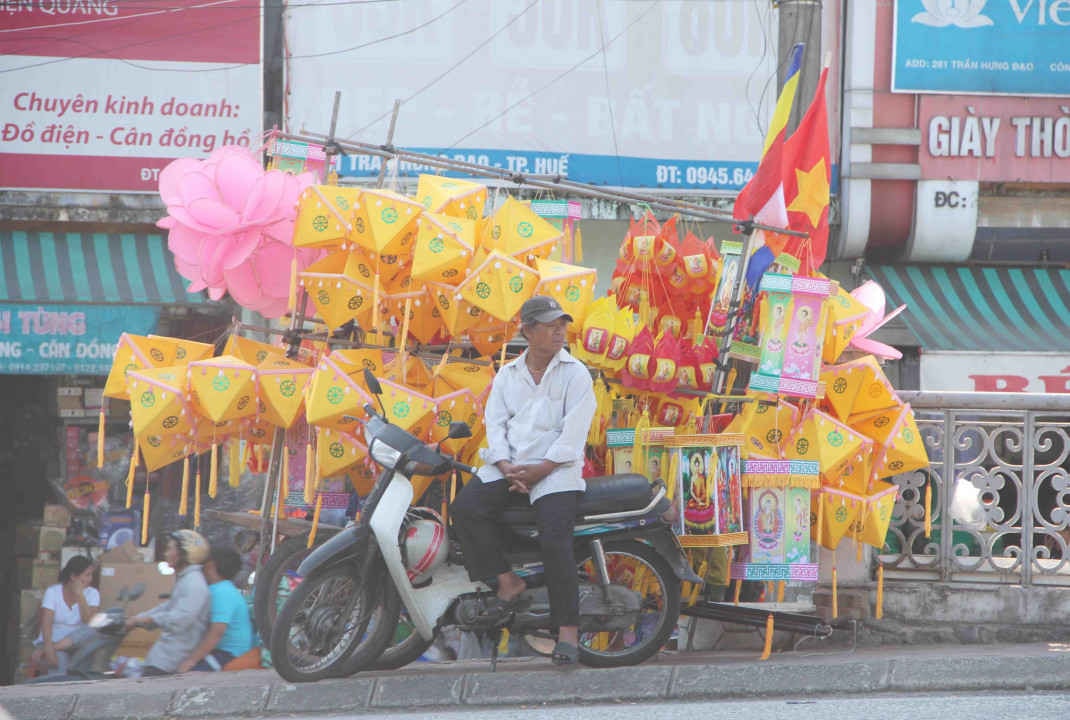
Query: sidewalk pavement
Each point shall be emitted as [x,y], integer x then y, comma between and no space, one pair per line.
[810,671]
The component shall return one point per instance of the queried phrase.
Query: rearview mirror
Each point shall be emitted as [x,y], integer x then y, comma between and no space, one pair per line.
[372,382]
[459,430]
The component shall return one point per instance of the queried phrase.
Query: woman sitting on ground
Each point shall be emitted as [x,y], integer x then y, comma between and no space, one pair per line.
[66,607]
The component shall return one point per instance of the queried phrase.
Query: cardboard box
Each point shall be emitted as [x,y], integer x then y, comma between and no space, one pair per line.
[29,605]
[36,574]
[34,538]
[124,566]
[56,516]
[69,551]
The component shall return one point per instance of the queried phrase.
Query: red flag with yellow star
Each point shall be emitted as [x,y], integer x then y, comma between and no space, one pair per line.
[806,182]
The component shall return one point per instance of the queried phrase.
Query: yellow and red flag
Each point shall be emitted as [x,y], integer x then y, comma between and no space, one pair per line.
[806,182]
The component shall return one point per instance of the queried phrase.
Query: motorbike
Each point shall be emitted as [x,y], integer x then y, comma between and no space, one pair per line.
[105,633]
[342,616]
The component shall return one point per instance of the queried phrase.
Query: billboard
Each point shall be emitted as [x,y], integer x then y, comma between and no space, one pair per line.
[673,94]
[995,139]
[1014,47]
[951,371]
[67,339]
[102,95]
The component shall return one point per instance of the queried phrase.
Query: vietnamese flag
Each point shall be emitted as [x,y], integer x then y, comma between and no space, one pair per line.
[762,198]
[806,183]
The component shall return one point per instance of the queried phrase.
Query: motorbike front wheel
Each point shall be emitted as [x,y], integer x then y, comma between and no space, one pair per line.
[334,619]
[641,569]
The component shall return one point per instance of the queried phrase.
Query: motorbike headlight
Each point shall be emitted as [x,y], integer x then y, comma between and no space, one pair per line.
[384,454]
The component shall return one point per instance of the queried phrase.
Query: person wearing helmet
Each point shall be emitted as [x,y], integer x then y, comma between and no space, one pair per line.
[183,617]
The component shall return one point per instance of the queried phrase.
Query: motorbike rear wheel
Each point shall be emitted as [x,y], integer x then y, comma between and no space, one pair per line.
[275,580]
[334,620]
[638,567]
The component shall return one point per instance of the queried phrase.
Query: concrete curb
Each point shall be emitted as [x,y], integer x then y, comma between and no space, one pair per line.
[533,682]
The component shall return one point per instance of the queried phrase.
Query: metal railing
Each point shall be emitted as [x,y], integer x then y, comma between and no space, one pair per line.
[1000,476]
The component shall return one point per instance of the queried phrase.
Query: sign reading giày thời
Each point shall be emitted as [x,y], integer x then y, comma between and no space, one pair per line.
[67,339]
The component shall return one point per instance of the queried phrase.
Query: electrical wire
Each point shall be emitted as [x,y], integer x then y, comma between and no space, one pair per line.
[451,68]
[609,94]
[559,76]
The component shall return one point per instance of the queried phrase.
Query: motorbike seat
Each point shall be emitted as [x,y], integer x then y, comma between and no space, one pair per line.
[606,494]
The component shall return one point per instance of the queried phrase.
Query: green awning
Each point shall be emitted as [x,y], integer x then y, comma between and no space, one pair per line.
[957,307]
[98,268]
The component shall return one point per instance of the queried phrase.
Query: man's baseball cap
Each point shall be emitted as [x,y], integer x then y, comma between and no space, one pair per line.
[542,309]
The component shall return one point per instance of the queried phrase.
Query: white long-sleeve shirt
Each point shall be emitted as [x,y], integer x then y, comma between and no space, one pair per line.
[182,619]
[528,422]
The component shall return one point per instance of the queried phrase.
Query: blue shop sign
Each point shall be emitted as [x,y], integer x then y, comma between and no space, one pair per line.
[1013,47]
[67,339]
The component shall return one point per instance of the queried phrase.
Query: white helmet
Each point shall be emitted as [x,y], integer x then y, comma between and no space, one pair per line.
[423,543]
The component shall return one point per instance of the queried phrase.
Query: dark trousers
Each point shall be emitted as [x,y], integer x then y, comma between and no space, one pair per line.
[477,523]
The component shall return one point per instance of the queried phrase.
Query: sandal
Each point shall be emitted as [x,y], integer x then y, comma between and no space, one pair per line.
[565,653]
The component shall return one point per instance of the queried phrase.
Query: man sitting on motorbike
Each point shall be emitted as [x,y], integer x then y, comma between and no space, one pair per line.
[537,418]
[183,617]
[230,633]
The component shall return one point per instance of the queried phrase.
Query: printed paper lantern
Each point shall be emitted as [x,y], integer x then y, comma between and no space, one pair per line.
[456,374]
[858,387]
[223,388]
[855,473]
[158,401]
[877,514]
[450,196]
[384,222]
[334,398]
[846,315]
[185,351]
[282,384]
[793,332]
[900,447]
[571,285]
[406,408]
[251,351]
[458,314]
[338,291]
[136,352]
[764,426]
[516,230]
[599,328]
[325,216]
[444,248]
[410,371]
[337,451]
[839,511]
[457,406]
[499,286]
[158,451]
[821,437]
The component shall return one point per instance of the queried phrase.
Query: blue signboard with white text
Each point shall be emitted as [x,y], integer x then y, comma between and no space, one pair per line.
[1011,47]
[67,339]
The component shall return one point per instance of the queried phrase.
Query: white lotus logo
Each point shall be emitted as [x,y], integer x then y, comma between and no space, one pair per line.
[960,13]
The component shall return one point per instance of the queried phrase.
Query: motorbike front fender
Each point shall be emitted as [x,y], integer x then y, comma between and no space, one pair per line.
[344,546]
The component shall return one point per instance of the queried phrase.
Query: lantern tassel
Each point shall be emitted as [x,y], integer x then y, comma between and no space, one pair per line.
[183,501]
[100,436]
[310,479]
[234,463]
[213,472]
[879,610]
[292,300]
[146,506]
[130,477]
[739,589]
[315,521]
[768,649]
[577,252]
[197,498]
[835,595]
[928,509]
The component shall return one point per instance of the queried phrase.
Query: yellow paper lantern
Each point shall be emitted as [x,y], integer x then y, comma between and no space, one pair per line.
[337,451]
[903,449]
[251,351]
[846,315]
[325,216]
[338,290]
[765,426]
[857,387]
[488,337]
[158,402]
[282,383]
[571,285]
[500,285]
[335,399]
[184,351]
[450,196]
[384,222]
[821,437]
[516,230]
[444,248]
[877,514]
[223,388]
[458,314]
[457,374]
[408,409]
[136,352]
[456,406]
[158,451]
[839,510]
